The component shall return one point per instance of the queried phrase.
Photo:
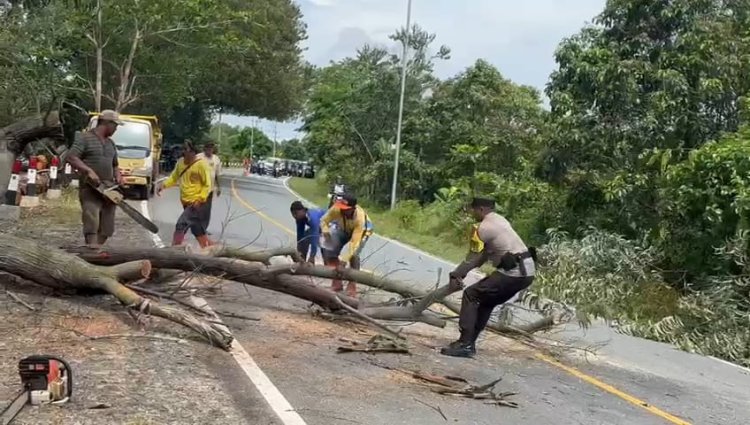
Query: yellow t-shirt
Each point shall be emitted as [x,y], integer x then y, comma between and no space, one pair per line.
[195,183]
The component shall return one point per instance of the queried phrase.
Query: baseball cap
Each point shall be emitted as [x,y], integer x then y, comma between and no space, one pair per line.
[110,115]
[347,202]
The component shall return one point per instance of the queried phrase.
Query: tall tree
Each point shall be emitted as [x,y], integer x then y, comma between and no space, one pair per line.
[665,74]
[294,149]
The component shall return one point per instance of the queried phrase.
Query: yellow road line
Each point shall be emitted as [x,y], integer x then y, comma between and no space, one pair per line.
[260,213]
[612,390]
[571,370]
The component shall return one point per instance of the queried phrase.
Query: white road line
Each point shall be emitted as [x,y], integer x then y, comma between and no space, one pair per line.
[742,368]
[267,389]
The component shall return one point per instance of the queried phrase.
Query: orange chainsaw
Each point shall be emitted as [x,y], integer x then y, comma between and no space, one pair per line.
[45,380]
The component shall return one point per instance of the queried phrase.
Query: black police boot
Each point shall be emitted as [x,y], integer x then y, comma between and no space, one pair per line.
[459,349]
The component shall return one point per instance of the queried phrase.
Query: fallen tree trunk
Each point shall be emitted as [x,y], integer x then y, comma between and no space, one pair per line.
[275,278]
[406,290]
[16,136]
[293,279]
[57,269]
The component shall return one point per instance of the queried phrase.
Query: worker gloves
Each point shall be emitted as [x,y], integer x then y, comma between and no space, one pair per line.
[455,281]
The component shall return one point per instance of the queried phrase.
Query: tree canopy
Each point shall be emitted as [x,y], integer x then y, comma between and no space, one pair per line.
[180,59]
[643,152]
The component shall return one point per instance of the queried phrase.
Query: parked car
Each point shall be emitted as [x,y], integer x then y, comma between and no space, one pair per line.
[308,170]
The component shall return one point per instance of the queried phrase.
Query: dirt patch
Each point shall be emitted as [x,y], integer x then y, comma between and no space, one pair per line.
[131,380]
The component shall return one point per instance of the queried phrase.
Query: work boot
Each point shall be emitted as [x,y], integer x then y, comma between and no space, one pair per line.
[459,349]
[351,290]
[203,241]
[178,238]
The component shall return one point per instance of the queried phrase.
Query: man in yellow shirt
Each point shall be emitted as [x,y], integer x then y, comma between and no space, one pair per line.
[193,174]
[354,227]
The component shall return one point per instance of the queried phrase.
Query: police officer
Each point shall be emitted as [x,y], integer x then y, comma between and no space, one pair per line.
[494,240]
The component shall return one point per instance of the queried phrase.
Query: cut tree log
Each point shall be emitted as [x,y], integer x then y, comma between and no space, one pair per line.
[57,269]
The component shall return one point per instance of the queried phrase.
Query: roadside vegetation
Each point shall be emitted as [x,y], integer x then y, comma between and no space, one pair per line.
[634,183]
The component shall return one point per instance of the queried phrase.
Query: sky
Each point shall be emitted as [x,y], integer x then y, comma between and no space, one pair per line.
[519,38]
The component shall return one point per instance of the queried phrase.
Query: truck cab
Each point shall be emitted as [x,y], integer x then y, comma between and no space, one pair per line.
[138,144]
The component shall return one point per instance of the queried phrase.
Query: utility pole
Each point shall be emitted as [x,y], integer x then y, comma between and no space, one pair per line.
[274,140]
[219,129]
[252,137]
[401,105]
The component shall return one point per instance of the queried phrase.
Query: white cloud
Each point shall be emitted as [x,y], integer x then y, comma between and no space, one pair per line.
[518,37]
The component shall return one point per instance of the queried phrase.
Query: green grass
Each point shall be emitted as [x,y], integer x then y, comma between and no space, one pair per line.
[388,224]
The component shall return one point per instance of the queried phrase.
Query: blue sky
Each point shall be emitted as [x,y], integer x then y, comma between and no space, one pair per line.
[518,37]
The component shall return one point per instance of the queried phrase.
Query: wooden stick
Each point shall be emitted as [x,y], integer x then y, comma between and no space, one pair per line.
[19,300]
[367,318]
[148,336]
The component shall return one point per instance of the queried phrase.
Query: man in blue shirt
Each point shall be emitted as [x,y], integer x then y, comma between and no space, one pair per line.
[308,229]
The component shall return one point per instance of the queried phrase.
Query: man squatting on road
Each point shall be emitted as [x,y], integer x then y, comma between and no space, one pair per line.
[214,162]
[308,230]
[94,155]
[194,177]
[496,241]
[354,227]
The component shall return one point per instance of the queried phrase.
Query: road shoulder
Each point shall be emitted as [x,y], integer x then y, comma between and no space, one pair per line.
[117,380]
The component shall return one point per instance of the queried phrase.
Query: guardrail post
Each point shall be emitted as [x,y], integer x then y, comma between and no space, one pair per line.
[54,191]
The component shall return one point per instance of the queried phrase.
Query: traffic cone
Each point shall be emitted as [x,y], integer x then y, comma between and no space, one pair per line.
[30,199]
[54,191]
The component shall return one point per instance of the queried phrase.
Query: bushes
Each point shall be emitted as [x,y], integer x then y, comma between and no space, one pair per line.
[705,200]
[609,277]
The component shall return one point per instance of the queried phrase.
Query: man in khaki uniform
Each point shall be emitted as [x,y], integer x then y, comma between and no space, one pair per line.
[94,155]
[493,240]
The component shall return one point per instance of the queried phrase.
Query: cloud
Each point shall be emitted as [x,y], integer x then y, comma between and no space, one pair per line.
[519,38]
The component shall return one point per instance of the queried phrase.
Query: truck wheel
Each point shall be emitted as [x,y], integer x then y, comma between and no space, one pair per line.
[143,193]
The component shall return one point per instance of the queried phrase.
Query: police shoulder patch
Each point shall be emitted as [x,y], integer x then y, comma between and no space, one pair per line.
[475,244]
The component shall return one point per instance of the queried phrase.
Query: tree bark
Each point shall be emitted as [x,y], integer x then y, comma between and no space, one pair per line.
[295,279]
[282,278]
[55,268]
[16,136]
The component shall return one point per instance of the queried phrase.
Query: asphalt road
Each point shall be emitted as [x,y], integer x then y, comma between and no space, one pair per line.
[628,381]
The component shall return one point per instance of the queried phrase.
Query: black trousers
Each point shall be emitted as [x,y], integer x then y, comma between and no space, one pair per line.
[482,297]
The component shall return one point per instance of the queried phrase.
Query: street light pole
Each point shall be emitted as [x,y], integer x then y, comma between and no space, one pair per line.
[252,137]
[274,140]
[401,105]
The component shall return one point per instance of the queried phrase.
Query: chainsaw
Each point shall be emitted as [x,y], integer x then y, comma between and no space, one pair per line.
[45,380]
[113,194]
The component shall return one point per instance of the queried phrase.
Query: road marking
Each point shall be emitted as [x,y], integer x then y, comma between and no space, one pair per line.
[612,390]
[575,372]
[279,404]
[270,219]
[259,212]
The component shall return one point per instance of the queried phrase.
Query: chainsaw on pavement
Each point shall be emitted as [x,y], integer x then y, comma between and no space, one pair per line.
[45,380]
[113,194]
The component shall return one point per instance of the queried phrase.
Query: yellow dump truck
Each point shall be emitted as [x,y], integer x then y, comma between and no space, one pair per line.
[138,151]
